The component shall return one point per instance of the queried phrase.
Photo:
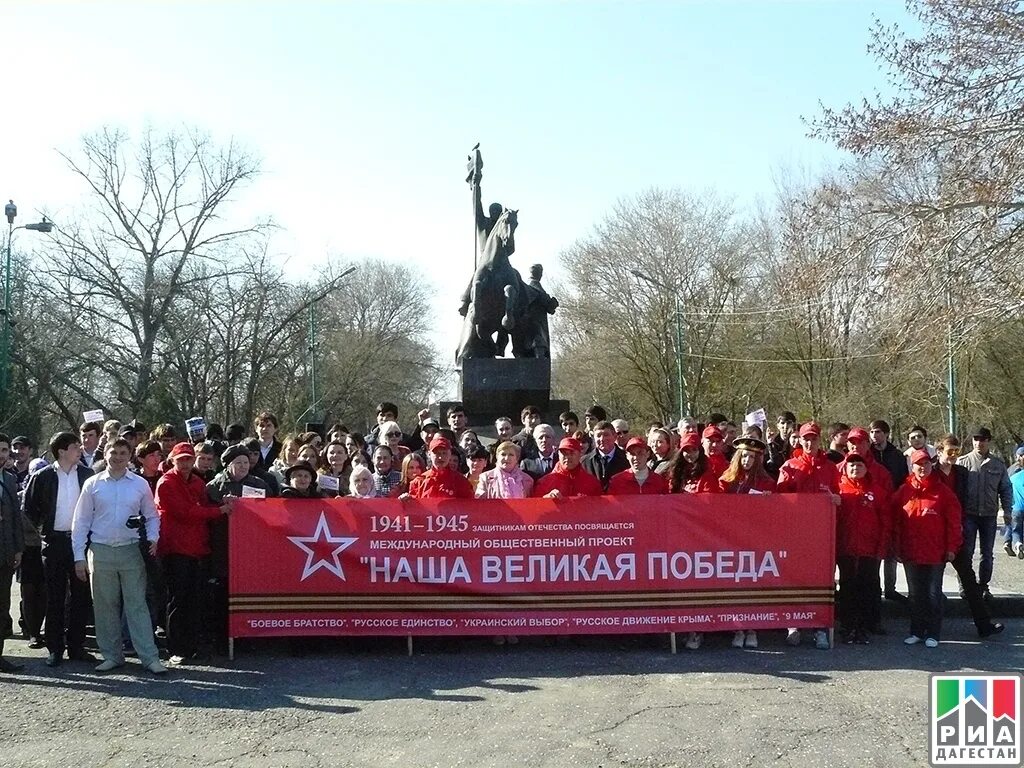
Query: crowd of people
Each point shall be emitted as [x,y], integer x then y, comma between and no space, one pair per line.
[129,525]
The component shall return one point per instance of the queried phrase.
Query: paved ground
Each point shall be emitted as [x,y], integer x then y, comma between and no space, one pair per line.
[606,701]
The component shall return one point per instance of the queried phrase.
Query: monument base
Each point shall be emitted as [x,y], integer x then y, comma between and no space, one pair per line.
[493,387]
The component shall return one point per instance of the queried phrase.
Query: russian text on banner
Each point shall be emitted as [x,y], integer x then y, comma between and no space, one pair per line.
[630,564]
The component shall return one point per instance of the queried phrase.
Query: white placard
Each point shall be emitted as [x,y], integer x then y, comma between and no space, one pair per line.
[248,492]
[96,415]
[757,417]
[195,426]
[328,482]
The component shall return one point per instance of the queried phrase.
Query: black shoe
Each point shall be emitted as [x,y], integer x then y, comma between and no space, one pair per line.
[861,637]
[992,629]
[54,660]
[10,666]
[36,644]
[1020,551]
[850,637]
[897,597]
[1008,549]
[81,655]
[985,594]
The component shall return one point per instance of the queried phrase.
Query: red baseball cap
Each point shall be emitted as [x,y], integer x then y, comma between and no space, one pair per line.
[920,456]
[636,442]
[810,429]
[570,444]
[858,435]
[689,440]
[712,433]
[181,449]
[440,444]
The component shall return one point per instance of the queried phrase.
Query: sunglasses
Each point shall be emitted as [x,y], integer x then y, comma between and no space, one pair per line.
[393,434]
[617,432]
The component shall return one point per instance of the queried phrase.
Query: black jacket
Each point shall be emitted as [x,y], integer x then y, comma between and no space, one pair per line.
[267,462]
[593,464]
[40,503]
[892,458]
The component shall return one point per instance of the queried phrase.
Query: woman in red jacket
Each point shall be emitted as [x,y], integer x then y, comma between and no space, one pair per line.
[928,535]
[185,511]
[690,472]
[863,530]
[639,479]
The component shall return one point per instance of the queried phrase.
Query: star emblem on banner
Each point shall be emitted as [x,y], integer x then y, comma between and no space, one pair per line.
[322,549]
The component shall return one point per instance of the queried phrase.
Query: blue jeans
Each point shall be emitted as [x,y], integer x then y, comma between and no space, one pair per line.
[1014,532]
[925,587]
[976,526]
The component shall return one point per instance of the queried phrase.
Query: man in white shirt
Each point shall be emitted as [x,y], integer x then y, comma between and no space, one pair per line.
[101,520]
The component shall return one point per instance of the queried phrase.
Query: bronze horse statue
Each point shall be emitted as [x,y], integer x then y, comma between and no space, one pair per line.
[494,302]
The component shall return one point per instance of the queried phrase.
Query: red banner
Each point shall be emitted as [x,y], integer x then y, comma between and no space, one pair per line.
[631,564]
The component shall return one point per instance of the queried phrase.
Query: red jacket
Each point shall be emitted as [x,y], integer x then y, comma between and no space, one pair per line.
[578,482]
[185,512]
[706,482]
[718,463]
[864,518]
[808,474]
[441,484]
[927,522]
[625,484]
[877,472]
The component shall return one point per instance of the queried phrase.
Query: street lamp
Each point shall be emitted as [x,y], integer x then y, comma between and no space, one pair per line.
[11,211]
[683,406]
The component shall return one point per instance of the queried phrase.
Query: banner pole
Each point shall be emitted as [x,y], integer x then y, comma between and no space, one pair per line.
[231,649]
[408,645]
[672,642]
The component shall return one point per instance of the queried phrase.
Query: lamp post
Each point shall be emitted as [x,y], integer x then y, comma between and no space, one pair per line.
[11,211]
[683,405]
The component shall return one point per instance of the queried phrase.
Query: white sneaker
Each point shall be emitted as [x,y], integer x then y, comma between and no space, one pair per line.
[751,641]
[912,640]
[175,661]
[821,640]
[737,639]
[694,640]
[931,642]
[793,637]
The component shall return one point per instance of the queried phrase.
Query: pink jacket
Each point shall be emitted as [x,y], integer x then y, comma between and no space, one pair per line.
[497,484]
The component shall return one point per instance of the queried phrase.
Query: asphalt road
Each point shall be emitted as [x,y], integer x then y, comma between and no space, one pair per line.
[602,701]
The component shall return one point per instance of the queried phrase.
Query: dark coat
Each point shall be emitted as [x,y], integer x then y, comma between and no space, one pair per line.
[594,465]
[40,503]
[12,527]
[265,463]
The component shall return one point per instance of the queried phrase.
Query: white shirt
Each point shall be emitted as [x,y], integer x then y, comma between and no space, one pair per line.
[104,507]
[67,496]
[88,458]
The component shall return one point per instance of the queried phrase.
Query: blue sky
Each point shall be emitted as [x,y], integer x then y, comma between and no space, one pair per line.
[363,113]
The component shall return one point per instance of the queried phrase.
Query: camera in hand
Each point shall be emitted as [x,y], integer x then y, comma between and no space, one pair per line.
[136,523]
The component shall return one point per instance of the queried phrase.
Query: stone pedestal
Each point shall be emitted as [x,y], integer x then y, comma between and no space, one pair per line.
[490,388]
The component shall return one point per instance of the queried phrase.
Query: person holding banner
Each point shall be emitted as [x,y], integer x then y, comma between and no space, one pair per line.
[185,511]
[928,535]
[440,481]
[333,478]
[809,472]
[746,473]
[568,479]
[690,472]
[863,531]
[507,480]
[639,479]
[360,483]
